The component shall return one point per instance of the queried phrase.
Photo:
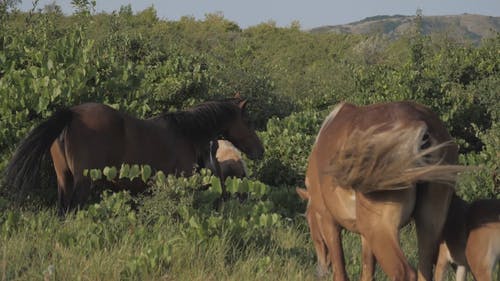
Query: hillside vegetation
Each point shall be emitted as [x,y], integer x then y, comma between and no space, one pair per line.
[462,28]
[143,65]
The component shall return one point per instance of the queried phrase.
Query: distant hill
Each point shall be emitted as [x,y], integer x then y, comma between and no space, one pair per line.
[465,27]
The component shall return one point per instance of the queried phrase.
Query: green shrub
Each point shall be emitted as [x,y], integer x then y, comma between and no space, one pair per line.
[288,143]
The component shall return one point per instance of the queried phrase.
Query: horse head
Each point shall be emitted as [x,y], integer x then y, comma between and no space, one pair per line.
[242,134]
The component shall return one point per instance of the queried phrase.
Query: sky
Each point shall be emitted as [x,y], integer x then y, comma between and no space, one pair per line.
[309,13]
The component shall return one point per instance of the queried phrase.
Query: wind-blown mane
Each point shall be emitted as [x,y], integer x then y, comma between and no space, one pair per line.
[205,119]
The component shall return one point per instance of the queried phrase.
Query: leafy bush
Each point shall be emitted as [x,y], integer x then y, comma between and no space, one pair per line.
[485,181]
[288,143]
[144,65]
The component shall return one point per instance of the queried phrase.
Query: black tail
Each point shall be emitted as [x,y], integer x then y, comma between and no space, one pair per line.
[23,169]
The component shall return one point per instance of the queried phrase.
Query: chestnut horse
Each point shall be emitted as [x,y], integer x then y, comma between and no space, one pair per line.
[94,135]
[471,239]
[315,214]
[362,175]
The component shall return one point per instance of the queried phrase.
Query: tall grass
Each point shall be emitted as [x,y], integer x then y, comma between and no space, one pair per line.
[117,244]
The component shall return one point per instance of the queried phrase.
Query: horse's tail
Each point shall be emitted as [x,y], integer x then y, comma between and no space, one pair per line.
[391,159]
[23,169]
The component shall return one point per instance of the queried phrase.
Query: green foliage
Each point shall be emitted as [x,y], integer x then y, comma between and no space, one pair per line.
[45,68]
[192,200]
[192,204]
[485,181]
[185,228]
[288,143]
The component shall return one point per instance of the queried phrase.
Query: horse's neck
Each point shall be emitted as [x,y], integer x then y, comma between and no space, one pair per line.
[456,222]
[198,129]
[458,207]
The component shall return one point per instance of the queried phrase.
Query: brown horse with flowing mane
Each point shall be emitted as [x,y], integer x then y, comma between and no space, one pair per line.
[94,135]
[471,239]
[372,168]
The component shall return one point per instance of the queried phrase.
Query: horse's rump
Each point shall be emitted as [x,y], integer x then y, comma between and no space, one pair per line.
[387,147]
[24,167]
[364,173]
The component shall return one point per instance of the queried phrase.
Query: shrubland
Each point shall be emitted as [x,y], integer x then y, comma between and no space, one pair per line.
[144,65]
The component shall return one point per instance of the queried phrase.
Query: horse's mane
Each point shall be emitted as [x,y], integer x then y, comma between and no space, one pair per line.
[205,120]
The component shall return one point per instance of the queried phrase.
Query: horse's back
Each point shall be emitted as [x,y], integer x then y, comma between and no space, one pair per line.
[98,117]
[383,116]
[351,117]
[482,212]
[102,136]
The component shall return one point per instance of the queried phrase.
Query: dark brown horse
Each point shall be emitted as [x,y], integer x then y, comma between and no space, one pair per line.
[362,175]
[94,135]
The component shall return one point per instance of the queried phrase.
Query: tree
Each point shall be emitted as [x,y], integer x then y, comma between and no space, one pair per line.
[52,8]
[9,4]
[126,10]
[83,6]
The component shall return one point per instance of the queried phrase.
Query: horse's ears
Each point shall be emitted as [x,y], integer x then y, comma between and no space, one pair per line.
[242,104]
[302,193]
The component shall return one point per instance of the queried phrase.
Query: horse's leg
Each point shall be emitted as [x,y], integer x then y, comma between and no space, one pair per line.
[319,243]
[64,177]
[379,216]
[433,201]
[461,273]
[385,246]
[442,263]
[332,234]
[482,272]
[81,191]
[480,259]
[368,261]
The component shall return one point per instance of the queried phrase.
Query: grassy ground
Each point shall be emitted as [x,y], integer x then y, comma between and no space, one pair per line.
[150,239]
[41,246]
